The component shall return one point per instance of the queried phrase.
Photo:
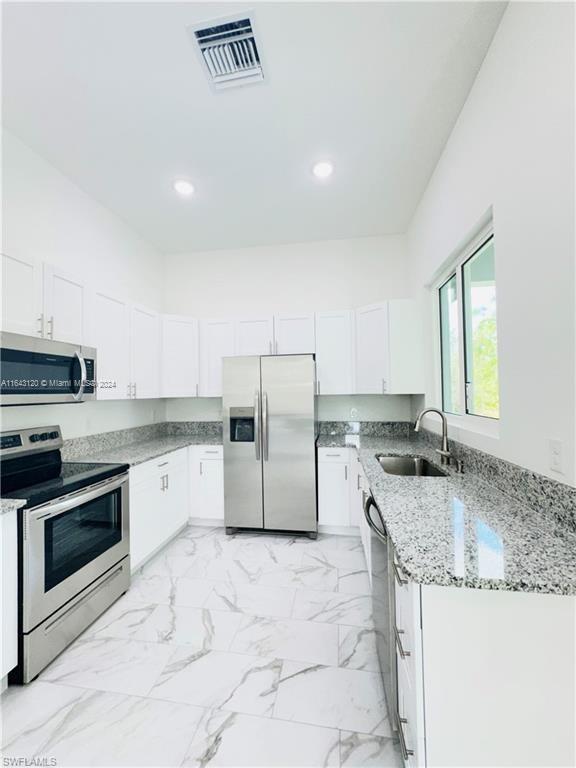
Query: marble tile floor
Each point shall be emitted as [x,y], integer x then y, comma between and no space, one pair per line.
[244,650]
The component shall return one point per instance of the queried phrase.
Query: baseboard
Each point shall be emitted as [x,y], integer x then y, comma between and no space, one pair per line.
[210,522]
[340,530]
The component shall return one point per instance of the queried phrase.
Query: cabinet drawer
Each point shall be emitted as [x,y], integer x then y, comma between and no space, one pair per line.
[333,455]
[209,452]
[409,724]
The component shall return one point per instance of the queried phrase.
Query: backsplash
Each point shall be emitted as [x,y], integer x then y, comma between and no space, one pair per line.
[105,441]
[366,428]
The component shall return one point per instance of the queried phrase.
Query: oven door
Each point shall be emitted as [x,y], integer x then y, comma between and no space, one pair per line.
[68,543]
[45,371]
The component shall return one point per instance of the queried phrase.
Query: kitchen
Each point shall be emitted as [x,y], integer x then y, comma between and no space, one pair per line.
[288,384]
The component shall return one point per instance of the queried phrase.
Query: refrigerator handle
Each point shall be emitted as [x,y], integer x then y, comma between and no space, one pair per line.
[257,424]
[265,426]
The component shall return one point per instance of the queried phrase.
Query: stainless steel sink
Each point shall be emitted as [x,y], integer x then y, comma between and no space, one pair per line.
[409,466]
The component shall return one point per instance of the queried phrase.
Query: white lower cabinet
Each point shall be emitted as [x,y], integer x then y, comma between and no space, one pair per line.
[9,591]
[207,482]
[159,504]
[334,486]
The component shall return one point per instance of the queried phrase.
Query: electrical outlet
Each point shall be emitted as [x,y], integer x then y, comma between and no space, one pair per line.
[354,414]
[555,451]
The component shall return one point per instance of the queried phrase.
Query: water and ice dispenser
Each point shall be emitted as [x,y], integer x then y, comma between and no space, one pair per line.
[242,425]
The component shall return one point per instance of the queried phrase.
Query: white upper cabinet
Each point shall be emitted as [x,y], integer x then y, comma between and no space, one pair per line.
[179,369]
[21,296]
[334,353]
[372,350]
[110,334]
[145,348]
[406,347]
[216,342]
[65,306]
[294,334]
[254,336]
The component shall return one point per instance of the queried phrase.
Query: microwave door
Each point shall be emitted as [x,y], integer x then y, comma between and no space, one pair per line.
[242,442]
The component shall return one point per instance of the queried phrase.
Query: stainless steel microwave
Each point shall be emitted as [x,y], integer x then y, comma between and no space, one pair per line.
[34,371]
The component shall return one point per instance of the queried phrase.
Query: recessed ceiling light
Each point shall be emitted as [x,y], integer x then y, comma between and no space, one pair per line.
[323,170]
[183,188]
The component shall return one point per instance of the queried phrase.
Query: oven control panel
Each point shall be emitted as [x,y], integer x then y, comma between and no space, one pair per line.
[27,441]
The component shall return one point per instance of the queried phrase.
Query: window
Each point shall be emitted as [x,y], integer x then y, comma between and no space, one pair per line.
[468,335]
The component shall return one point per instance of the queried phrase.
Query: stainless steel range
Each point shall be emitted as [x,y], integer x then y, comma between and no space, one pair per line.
[73,542]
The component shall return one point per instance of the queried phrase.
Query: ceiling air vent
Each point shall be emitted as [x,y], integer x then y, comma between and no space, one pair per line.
[229,52]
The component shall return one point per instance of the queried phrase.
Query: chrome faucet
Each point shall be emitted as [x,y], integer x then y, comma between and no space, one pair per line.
[444,451]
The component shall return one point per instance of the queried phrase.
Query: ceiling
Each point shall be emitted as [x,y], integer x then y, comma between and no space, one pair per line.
[114,95]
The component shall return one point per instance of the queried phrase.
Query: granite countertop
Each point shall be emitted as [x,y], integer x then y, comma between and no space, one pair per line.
[7,505]
[460,531]
[145,450]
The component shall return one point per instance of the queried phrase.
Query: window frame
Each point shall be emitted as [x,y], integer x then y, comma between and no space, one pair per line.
[488,425]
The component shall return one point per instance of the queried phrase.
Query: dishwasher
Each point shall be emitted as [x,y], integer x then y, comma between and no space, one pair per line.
[383,603]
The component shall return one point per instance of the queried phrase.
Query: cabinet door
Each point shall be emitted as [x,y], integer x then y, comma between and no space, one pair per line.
[110,334]
[334,353]
[65,306]
[254,336]
[9,590]
[209,501]
[145,346]
[216,342]
[294,334]
[372,350]
[406,347]
[21,296]
[173,469]
[333,494]
[179,371]
[146,511]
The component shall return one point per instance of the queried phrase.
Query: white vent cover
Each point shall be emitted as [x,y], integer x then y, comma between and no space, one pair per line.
[229,52]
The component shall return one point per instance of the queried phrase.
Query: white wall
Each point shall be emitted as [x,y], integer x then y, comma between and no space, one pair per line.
[47,218]
[335,274]
[512,149]
[330,408]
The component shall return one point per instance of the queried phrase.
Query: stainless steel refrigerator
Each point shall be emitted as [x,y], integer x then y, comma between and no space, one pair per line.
[269,436]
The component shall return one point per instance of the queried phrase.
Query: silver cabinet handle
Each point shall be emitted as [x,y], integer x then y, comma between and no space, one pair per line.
[164,464]
[40,319]
[51,327]
[276,346]
[318,386]
[167,481]
[257,424]
[397,632]
[134,395]
[270,347]
[129,388]
[336,455]
[358,483]
[265,426]
[161,482]
[196,390]
[210,451]
[200,467]
[399,577]
[383,386]
[80,394]
[400,722]
[345,471]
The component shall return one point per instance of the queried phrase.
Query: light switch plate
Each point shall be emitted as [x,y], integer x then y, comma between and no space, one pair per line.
[555,453]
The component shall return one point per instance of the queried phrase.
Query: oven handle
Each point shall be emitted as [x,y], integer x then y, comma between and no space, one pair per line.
[83,375]
[371,503]
[50,509]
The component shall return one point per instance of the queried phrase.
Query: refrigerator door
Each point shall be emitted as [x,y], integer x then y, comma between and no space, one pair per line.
[241,422]
[288,443]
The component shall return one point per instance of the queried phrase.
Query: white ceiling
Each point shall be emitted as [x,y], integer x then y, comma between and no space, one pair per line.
[114,95]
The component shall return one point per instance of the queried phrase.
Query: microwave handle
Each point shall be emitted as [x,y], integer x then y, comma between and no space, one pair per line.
[80,394]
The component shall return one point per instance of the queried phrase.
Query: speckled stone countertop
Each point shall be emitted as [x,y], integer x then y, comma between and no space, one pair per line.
[460,531]
[145,450]
[7,505]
